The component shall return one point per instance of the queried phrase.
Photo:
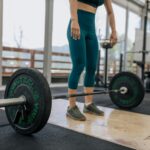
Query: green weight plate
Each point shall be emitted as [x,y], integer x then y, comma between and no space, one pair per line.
[32,116]
[135,93]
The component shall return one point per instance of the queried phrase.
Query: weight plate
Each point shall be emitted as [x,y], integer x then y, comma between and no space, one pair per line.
[135,92]
[31,117]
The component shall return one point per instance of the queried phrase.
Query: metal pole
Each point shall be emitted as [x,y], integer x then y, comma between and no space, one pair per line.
[98,71]
[12,101]
[121,60]
[105,63]
[48,39]
[144,40]
[1,35]
[126,40]
[106,68]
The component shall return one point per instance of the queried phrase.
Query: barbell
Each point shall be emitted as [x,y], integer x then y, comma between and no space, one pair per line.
[28,98]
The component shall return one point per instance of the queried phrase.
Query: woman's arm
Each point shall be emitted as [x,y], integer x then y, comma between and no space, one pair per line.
[75,29]
[73,10]
[109,9]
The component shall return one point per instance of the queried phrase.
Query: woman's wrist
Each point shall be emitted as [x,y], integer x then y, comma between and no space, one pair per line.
[114,31]
[74,20]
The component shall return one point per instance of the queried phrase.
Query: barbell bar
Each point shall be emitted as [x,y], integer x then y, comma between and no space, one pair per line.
[122,90]
[22,100]
[28,98]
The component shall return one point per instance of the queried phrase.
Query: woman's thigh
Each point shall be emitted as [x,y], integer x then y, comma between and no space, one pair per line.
[91,52]
[77,48]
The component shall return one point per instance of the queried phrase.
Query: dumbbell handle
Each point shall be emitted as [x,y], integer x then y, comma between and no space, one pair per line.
[12,101]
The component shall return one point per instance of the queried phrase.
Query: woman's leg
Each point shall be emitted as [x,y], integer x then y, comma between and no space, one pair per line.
[91,63]
[88,99]
[77,54]
[72,100]
[77,68]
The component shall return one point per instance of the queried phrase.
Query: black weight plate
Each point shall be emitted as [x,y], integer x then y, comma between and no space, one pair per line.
[31,117]
[135,93]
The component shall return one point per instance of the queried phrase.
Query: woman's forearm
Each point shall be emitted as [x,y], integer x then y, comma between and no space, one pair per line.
[112,22]
[111,16]
[73,9]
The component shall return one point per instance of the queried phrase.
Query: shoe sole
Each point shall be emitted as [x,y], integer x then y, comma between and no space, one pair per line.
[68,115]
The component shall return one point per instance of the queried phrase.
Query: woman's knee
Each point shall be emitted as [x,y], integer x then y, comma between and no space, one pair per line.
[75,75]
[78,69]
[76,72]
[91,70]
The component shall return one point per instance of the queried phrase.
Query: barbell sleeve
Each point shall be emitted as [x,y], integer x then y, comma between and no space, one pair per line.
[12,101]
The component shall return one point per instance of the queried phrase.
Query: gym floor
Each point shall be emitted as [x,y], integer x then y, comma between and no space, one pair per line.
[63,134]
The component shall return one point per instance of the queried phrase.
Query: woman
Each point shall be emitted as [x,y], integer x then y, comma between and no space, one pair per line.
[83,45]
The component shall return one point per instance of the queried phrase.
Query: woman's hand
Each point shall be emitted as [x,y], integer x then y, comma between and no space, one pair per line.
[113,38]
[75,30]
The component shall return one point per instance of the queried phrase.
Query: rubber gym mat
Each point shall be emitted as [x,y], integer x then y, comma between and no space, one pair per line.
[52,138]
[3,119]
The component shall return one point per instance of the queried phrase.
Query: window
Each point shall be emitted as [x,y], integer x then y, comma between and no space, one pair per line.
[24,23]
[60,58]
[134,23]
[120,17]
[23,31]
[61,16]
[100,22]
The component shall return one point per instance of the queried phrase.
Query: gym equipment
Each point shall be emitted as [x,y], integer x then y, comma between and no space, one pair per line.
[144,39]
[121,62]
[146,76]
[147,81]
[106,45]
[27,101]
[98,78]
[28,98]
[126,91]
[133,87]
[143,50]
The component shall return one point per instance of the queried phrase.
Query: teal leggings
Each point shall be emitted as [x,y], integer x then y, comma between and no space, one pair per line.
[83,52]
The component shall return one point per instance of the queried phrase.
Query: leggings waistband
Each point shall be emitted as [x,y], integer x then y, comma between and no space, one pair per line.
[86,20]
